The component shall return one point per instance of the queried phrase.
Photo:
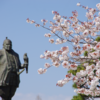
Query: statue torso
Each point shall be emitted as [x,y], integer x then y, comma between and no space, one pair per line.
[9,66]
[11,61]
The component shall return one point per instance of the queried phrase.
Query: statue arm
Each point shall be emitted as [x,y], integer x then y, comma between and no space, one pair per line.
[22,66]
[19,63]
[25,65]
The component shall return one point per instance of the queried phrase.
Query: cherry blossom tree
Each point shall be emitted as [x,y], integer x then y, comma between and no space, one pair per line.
[83,63]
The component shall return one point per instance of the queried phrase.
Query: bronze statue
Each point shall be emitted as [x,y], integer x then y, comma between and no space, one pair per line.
[9,70]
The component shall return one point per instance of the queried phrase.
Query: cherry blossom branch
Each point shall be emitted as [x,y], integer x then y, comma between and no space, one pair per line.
[87,79]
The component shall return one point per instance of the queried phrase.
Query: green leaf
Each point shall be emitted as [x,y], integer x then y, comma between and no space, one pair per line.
[78,97]
[97,39]
[86,53]
[80,67]
[75,86]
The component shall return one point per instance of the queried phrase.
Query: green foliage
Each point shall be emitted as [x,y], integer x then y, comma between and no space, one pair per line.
[80,67]
[72,71]
[94,71]
[91,63]
[75,86]
[93,50]
[98,39]
[86,53]
[78,97]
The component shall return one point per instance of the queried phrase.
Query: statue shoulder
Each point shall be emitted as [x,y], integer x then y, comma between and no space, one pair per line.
[2,51]
[16,54]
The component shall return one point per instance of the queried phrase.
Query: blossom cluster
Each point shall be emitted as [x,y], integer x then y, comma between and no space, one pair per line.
[82,36]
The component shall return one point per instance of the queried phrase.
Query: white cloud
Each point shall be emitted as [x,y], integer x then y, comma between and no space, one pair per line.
[31,96]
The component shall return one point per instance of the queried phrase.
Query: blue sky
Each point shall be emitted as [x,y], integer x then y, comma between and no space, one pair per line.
[28,39]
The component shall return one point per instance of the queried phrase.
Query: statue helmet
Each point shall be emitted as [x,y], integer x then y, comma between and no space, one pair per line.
[7,41]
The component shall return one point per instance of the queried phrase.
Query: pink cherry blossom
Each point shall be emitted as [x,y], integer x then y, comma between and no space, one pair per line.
[27,20]
[51,40]
[93,34]
[97,47]
[41,56]
[78,74]
[65,64]
[78,4]
[69,75]
[32,21]
[97,92]
[95,54]
[47,35]
[75,13]
[98,6]
[98,65]
[73,66]
[65,49]
[86,7]
[66,23]
[75,79]
[43,20]
[86,33]
[57,17]
[41,71]
[92,10]
[37,25]
[89,15]
[55,12]
[56,64]
[98,73]
[81,35]
[73,18]
[61,83]
[58,41]
[47,65]
[81,91]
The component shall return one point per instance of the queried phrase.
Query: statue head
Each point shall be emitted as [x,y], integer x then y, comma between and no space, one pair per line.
[7,44]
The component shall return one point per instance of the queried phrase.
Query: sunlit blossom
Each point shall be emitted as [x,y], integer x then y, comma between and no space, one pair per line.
[41,56]
[98,6]
[78,4]
[65,64]
[47,65]
[47,35]
[41,71]
[27,20]
[51,40]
